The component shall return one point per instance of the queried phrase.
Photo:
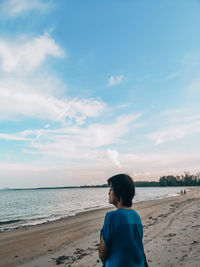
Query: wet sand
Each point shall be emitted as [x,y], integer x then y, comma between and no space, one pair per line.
[171,237]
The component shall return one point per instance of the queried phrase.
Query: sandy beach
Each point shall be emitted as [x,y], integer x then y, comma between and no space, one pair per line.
[171,237]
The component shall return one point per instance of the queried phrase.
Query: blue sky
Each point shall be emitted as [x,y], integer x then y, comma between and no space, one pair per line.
[89,89]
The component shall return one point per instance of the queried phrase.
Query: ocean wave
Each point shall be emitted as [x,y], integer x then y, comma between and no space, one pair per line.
[10,222]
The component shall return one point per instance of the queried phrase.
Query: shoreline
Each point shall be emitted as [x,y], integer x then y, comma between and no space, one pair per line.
[52,221]
[74,240]
[46,221]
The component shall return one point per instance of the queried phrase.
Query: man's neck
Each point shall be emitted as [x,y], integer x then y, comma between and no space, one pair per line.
[119,205]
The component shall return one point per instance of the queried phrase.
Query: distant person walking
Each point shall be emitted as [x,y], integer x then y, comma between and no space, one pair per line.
[121,236]
[181,192]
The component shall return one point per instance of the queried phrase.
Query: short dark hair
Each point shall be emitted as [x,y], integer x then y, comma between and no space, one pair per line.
[123,187]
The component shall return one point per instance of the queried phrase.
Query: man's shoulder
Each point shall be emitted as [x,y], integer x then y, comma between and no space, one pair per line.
[112,214]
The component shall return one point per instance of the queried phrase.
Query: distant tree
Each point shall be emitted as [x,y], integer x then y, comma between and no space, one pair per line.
[184,180]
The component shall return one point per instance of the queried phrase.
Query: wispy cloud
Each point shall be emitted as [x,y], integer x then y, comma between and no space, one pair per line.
[27,55]
[180,123]
[114,80]
[15,137]
[80,137]
[168,134]
[75,141]
[16,7]
[173,75]
[193,88]
[32,104]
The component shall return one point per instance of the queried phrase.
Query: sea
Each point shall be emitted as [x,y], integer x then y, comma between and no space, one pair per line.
[20,208]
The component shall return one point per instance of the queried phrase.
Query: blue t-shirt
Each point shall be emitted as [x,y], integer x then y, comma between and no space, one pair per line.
[122,232]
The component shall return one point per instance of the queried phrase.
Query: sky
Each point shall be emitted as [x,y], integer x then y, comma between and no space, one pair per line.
[89,89]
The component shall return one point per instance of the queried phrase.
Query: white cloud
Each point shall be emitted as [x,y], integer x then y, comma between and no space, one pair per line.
[113,157]
[47,126]
[14,104]
[27,55]
[113,80]
[16,7]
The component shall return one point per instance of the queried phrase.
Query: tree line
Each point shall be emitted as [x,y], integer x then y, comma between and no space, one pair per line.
[186,179]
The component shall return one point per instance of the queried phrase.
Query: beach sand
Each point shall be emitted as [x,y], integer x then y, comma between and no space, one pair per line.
[171,237]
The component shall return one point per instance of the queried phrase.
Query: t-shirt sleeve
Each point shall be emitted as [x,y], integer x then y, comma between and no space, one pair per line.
[107,229]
